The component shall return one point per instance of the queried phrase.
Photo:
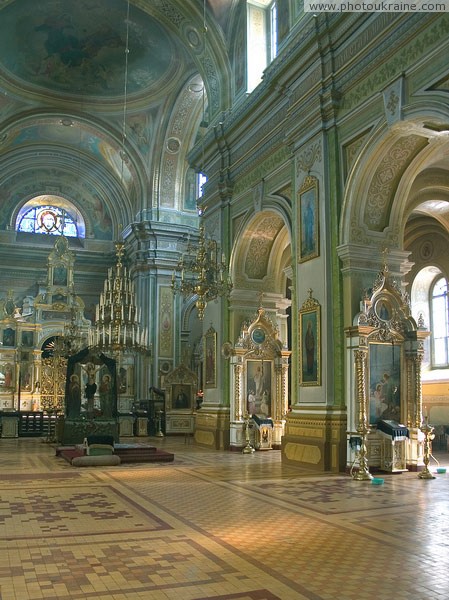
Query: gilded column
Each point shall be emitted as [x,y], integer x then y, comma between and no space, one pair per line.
[418,390]
[279,393]
[237,392]
[411,399]
[284,390]
[363,429]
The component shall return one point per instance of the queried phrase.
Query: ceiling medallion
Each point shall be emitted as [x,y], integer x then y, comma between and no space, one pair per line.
[426,250]
[193,37]
[173,145]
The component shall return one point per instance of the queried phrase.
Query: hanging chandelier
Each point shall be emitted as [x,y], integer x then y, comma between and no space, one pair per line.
[72,336]
[202,272]
[117,324]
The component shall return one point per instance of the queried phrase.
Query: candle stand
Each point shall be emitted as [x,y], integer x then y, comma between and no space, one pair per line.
[248,449]
[428,437]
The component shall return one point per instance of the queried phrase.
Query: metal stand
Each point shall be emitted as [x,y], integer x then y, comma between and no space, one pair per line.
[428,437]
[159,432]
[362,474]
[248,449]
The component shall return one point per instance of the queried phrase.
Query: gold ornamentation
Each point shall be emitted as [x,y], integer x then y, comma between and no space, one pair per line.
[117,325]
[428,437]
[363,429]
[203,273]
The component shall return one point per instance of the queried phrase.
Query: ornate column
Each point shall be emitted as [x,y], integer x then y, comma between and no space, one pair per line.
[278,414]
[363,428]
[238,408]
[415,452]
[411,404]
[418,390]
[285,368]
[237,404]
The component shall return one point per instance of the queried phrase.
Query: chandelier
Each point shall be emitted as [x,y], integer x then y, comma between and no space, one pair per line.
[203,273]
[72,338]
[117,324]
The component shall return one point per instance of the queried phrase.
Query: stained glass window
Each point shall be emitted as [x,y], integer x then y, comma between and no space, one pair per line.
[50,215]
[48,219]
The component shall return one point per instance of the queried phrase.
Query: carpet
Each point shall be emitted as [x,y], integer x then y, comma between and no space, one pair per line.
[141,453]
[128,453]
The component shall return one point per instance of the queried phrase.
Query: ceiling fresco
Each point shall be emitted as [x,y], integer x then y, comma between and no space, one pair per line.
[77,48]
[80,141]
[67,125]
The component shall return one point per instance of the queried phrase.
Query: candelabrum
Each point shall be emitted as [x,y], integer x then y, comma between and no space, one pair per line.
[159,432]
[203,273]
[362,474]
[428,437]
[248,449]
[117,324]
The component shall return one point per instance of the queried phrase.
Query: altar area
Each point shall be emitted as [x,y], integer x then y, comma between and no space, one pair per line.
[386,425]
[64,376]
[258,368]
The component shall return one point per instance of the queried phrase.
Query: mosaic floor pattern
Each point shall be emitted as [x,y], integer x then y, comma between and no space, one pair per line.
[215,526]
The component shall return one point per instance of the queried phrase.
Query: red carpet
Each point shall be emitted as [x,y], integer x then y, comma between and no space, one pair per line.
[128,453]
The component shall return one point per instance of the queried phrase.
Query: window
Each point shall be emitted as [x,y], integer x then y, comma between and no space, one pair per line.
[202,179]
[439,315]
[50,215]
[261,39]
[273,30]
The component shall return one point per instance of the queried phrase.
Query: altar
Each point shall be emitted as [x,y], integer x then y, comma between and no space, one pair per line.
[384,390]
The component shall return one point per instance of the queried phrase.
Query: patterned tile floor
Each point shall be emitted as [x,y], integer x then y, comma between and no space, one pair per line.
[215,525]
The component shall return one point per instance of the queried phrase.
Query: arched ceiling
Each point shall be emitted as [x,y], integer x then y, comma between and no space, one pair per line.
[405,179]
[69,88]
[262,254]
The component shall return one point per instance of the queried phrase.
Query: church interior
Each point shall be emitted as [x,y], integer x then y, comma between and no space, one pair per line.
[223,232]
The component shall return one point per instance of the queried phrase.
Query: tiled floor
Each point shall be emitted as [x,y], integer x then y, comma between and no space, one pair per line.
[215,525]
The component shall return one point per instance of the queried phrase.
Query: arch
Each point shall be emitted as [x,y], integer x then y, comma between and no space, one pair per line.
[262,252]
[387,178]
[209,52]
[185,118]
[88,166]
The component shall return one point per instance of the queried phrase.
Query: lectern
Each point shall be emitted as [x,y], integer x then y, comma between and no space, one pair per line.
[393,448]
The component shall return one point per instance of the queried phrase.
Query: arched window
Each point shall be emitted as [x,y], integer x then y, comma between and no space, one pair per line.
[439,316]
[50,215]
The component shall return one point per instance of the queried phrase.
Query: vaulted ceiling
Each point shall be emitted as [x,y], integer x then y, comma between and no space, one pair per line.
[90,90]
